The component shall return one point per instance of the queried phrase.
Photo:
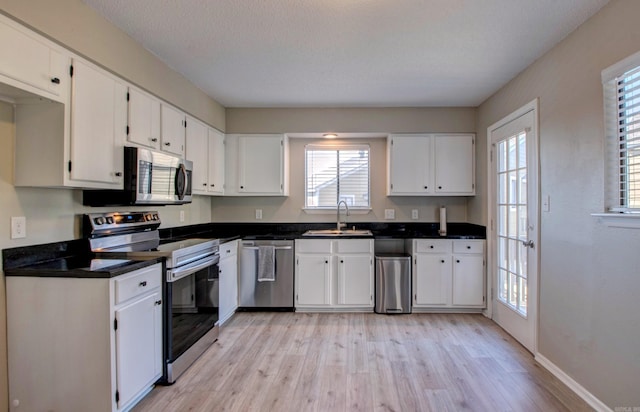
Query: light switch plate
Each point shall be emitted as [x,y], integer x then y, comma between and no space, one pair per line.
[389,213]
[18,227]
[182,216]
[414,214]
[258,214]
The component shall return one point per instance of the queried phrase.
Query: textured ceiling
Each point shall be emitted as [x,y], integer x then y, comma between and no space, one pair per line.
[348,53]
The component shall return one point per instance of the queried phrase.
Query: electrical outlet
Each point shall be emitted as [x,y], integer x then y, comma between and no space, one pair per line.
[258,214]
[414,214]
[182,215]
[18,227]
[389,213]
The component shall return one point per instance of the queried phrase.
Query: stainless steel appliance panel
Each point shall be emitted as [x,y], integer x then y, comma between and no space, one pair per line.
[268,295]
[393,283]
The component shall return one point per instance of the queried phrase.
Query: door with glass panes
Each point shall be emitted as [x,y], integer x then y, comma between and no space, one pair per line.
[513,208]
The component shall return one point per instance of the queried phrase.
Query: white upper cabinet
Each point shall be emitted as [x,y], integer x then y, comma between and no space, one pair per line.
[143,121]
[205,148]
[198,153]
[30,62]
[216,162]
[261,167]
[454,164]
[431,165]
[98,123]
[408,165]
[173,130]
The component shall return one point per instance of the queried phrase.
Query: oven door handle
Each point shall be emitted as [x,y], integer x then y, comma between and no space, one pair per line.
[186,270]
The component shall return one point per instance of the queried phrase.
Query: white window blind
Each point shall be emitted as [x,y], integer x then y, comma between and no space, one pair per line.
[622,114]
[336,173]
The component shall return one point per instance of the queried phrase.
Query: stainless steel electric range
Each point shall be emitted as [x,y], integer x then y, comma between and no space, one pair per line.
[190,287]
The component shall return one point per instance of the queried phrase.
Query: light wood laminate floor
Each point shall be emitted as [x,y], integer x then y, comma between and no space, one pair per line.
[364,362]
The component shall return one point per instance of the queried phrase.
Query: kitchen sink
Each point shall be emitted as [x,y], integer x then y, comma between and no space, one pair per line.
[335,232]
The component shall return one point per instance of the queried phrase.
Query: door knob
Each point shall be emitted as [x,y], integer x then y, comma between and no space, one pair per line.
[528,243]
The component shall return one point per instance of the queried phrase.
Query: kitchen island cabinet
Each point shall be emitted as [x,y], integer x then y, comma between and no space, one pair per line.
[84,344]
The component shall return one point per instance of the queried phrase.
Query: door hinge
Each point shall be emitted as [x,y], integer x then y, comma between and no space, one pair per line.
[483,299]
[71,70]
[491,293]
[117,396]
[491,155]
[296,297]
[185,124]
[391,142]
[115,324]
[473,185]
[127,130]
[127,96]
[391,186]
[192,297]
[69,165]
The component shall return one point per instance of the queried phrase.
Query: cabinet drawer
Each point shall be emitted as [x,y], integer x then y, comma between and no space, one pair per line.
[468,246]
[313,246]
[228,249]
[354,246]
[137,282]
[433,246]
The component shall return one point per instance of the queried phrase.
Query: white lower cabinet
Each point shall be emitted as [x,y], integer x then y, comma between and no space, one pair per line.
[334,274]
[448,274]
[91,344]
[228,270]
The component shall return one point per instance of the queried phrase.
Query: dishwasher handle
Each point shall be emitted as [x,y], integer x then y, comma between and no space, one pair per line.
[276,247]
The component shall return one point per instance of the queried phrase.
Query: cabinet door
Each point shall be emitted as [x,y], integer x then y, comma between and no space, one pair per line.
[138,346]
[228,270]
[468,280]
[312,282]
[143,126]
[28,59]
[172,131]
[98,125]
[432,279]
[454,164]
[216,162]
[355,280]
[261,164]
[198,153]
[409,166]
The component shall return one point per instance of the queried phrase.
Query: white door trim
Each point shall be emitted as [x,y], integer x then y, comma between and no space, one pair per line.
[534,169]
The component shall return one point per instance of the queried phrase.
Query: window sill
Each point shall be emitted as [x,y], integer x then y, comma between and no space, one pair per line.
[620,220]
[311,211]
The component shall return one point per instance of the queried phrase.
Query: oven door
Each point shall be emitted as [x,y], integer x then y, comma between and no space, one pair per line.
[191,305]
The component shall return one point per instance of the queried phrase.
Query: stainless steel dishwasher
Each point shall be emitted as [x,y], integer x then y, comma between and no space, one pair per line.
[266,295]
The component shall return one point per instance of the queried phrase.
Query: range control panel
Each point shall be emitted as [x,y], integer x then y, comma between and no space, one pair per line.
[108,223]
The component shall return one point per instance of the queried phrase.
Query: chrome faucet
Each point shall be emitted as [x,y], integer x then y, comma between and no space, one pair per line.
[341,225]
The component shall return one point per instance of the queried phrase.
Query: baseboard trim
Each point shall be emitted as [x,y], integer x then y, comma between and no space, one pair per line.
[580,390]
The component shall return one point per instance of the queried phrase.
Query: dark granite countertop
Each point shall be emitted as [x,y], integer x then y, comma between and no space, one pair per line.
[70,259]
[74,258]
[288,231]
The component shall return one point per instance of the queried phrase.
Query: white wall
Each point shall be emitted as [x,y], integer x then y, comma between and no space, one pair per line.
[589,322]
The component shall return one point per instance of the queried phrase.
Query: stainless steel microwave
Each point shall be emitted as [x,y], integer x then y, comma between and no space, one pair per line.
[150,178]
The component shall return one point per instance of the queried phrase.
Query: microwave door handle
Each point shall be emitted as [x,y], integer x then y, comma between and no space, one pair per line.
[186,184]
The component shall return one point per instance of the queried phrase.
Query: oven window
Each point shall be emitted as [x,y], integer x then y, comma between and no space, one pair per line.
[194,308]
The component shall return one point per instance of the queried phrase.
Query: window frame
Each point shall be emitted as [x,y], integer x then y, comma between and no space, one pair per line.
[337,147]
[615,213]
